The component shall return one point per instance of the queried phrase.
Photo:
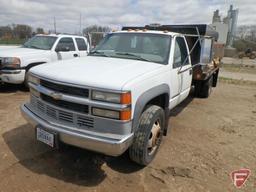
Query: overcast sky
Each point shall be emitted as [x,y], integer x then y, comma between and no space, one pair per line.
[115,13]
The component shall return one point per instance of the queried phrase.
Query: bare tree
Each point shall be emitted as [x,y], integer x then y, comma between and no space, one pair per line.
[39,30]
[5,32]
[246,38]
[22,31]
[95,33]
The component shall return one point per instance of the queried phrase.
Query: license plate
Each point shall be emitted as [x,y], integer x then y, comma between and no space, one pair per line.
[45,137]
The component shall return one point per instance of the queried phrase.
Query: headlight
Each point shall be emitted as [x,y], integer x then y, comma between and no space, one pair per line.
[11,62]
[119,115]
[120,98]
[106,113]
[33,79]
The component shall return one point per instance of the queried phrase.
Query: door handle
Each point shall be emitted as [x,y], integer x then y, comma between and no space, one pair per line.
[190,72]
[75,55]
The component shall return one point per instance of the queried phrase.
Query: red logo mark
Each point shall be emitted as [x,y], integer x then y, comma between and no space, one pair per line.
[239,177]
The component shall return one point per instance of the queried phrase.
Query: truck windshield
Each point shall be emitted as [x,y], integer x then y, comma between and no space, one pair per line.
[40,42]
[139,46]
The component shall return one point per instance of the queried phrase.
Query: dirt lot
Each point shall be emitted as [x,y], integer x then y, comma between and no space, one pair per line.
[209,138]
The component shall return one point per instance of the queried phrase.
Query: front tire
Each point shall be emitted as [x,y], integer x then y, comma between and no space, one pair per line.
[26,85]
[148,137]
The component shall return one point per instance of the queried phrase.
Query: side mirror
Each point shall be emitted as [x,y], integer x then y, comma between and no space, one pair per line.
[62,49]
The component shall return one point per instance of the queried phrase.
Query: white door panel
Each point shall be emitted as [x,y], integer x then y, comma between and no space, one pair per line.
[82,46]
[66,43]
[67,55]
[181,75]
[175,87]
[186,81]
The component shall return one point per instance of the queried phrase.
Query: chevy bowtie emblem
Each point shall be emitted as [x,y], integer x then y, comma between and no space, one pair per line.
[56,96]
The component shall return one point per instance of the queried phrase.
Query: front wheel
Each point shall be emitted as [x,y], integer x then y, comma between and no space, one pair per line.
[148,136]
[26,81]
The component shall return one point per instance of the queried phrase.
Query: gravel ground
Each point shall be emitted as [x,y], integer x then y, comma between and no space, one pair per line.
[208,139]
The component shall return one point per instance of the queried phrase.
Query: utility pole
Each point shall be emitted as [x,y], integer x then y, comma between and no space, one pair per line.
[80,24]
[55,31]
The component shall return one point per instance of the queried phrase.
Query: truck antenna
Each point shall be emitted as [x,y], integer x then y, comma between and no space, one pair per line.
[80,24]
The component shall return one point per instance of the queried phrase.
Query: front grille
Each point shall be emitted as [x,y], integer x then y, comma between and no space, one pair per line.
[60,116]
[83,92]
[65,104]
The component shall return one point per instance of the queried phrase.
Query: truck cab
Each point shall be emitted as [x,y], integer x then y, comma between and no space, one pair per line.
[40,49]
[116,99]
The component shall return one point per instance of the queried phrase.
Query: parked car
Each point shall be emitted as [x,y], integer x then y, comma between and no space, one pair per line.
[119,97]
[40,49]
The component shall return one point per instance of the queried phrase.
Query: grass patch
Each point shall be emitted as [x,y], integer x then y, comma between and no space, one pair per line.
[11,41]
[251,69]
[236,81]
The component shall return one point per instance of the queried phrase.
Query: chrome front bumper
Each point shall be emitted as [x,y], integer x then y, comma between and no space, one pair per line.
[12,76]
[105,145]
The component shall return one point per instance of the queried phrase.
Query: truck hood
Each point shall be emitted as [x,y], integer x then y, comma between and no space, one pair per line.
[93,71]
[20,52]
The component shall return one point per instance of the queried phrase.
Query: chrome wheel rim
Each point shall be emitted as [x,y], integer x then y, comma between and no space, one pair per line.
[154,137]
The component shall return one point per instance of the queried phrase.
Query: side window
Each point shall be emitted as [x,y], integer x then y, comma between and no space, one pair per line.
[81,44]
[66,42]
[180,53]
[177,56]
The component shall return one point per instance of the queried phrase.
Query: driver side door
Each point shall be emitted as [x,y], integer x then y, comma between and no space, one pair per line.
[181,73]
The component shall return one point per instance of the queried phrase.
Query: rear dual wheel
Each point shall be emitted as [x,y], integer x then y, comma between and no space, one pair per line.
[203,89]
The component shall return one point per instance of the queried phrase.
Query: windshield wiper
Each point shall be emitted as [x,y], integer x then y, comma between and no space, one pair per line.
[100,53]
[133,55]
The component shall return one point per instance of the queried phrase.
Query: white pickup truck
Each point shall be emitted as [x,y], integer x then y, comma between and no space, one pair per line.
[119,97]
[15,62]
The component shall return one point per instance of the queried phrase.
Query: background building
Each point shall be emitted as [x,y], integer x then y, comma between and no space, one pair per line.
[226,27]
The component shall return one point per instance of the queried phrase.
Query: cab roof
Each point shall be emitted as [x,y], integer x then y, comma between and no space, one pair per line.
[147,31]
[59,35]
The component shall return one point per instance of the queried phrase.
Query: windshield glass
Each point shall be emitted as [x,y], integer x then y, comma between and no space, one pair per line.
[40,42]
[139,46]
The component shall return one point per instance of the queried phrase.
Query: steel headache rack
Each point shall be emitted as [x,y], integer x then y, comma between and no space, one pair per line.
[186,29]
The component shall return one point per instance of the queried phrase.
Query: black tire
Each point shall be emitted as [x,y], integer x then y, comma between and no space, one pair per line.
[203,89]
[197,88]
[26,81]
[206,89]
[240,55]
[252,56]
[148,130]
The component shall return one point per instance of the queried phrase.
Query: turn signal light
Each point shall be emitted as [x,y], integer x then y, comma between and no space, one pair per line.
[126,98]
[125,115]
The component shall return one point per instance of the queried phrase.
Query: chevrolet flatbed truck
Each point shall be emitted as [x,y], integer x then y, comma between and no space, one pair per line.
[119,97]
